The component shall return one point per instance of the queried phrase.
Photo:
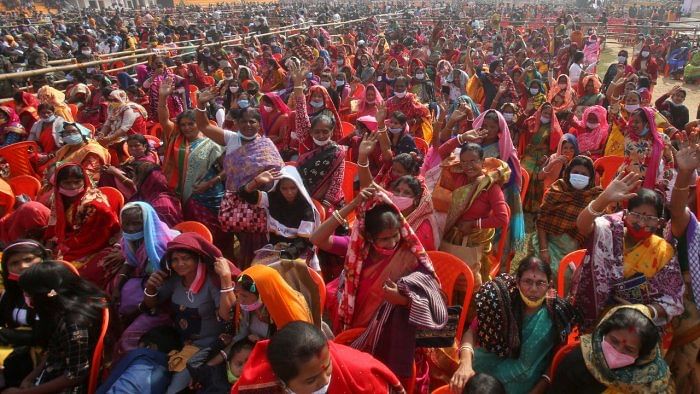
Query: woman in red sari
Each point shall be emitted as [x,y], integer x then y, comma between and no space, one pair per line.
[84,224]
[26,107]
[300,358]
[321,160]
[274,76]
[276,120]
[417,113]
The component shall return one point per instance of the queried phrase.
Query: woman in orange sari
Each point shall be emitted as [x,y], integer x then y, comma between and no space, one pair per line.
[274,76]
[79,148]
[49,95]
[561,94]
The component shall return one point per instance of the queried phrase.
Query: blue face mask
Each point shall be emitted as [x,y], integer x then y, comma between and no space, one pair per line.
[132,236]
[73,139]
[645,131]
[243,104]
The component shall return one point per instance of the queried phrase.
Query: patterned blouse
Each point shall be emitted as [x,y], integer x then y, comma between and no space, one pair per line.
[69,353]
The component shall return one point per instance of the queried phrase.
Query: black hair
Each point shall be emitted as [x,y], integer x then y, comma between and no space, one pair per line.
[622,52]
[584,161]
[411,162]
[252,112]
[242,344]
[412,182]
[13,294]
[68,172]
[45,106]
[643,82]
[578,56]
[58,294]
[564,114]
[647,197]
[400,117]
[322,117]
[187,114]
[472,147]
[482,383]
[165,339]
[295,344]
[626,318]
[533,263]
[380,218]
[402,79]
[248,284]
[140,139]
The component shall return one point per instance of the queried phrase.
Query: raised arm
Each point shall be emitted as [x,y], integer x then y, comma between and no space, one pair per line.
[165,90]
[383,137]
[323,236]
[215,133]
[367,146]
[620,189]
[687,160]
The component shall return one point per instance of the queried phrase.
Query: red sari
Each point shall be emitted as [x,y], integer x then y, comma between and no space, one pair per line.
[353,372]
[413,109]
[27,113]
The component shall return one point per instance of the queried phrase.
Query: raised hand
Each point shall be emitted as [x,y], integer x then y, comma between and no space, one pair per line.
[207,95]
[381,114]
[688,158]
[266,177]
[166,87]
[369,142]
[298,74]
[620,189]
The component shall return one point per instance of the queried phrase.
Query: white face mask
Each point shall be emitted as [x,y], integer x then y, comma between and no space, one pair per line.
[395,130]
[592,126]
[508,117]
[233,89]
[316,104]
[622,59]
[420,76]
[229,78]
[326,84]
[321,143]
[645,53]
[246,138]
[544,120]
[578,181]
[400,94]
[534,91]
[401,202]
[339,82]
[322,390]
[631,107]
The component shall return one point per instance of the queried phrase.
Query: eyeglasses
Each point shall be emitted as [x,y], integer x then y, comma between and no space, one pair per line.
[638,217]
[540,284]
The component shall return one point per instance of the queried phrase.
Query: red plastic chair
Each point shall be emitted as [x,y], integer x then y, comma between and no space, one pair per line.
[7,196]
[18,156]
[497,258]
[575,258]
[70,266]
[526,184]
[153,141]
[209,81]
[349,180]
[156,130]
[318,280]
[25,184]
[448,269]
[560,354]
[96,364]
[347,128]
[442,390]
[73,110]
[608,166]
[115,198]
[321,209]
[195,227]
[422,145]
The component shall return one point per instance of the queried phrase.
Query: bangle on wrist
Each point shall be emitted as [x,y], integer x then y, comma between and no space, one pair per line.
[341,220]
[459,139]
[676,187]
[145,292]
[201,109]
[547,378]
[590,210]
[654,313]
[366,165]
[227,289]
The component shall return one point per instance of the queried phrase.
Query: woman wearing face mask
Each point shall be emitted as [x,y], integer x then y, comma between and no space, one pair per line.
[394,135]
[615,145]
[672,102]
[276,120]
[621,355]
[365,70]
[418,115]
[197,281]
[519,322]
[124,118]
[11,130]
[514,119]
[369,103]
[300,360]
[16,318]
[267,303]
[561,94]
[49,95]
[645,64]
[143,244]
[537,144]
[460,116]
[559,160]
[26,105]
[590,92]
[274,76]
[390,281]
[156,74]
[291,214]
[422,86]
[247,154]
[630,263]
[536,96]
[85,225]
[79,148]
[557,234]
[591,131]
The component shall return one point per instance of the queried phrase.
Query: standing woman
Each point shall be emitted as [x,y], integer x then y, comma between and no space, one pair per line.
[645,65]
[69,309]
[157,73]
[247,154]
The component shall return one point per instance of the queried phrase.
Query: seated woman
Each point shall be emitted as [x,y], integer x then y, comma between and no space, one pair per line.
[267,304]
[17,319]
[123,119]
[69,311]
[85,225]
[591,131]
[622,355]
[561,95]
[590,92]
[46,131]
[417,114]
[291,214]
[398,140]
[143,244]
[28,220]
[49,95]
[517,327]
[300,358]
[276,120]
[26,107]
[321,160]
[11,130]
[77,90]
[389,280]
[122,177]
[557,234]
[470,193]
[557,162]
[79,148]
[199,287]
[629,263]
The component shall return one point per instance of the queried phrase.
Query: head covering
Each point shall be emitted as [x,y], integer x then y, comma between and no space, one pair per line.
[84,131]
[268,120]
[27,218]
[596,82]
[156,236]
[570,138]
[328,106]
[29,100]
[208,253]
[364,106]
[368,121]
[7,196]
[506,150]
[568,94]
[12,125]
[121,97]
[49,95]
[555,132]
[464,99]
[89,193]
[647,375]
[657,148]
[593,139]
[284,304]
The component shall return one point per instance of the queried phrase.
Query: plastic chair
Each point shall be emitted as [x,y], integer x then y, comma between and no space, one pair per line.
[422,145]
[349,180]
[575,258]
[316,277]
[442,390]
[115,198]
[347,128]
[156,130]
[497,258]
[70,266]
[195,227]
[96,364]
[526,184]
[73,110]
[321,209]
[348,336]
[153,141]
[560,354]
[18,156]
[259,80]
[608,166]
[697,197]
[25,184]
[448,269]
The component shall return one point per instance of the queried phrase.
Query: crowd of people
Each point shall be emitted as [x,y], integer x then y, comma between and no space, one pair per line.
[281,209]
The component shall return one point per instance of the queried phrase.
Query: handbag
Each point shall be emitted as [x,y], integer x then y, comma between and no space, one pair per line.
[238,216]
[443,337]
[177,360]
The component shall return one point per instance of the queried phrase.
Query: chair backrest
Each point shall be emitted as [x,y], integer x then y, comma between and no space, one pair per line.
[73,110]
[560,354]
[18,156]
[442,390]
[422,145]
[318,279]
[156,130]
[96,364]
[575,258]
[449,269]
[347,128]
[348,336]
[70,266]
[608,166]
[195,227]
[349,180]
[496,257]
[25,184]
[115,198]
[321,209]
[526,183]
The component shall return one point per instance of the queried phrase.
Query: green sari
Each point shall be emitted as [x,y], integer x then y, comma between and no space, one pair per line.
[519,375]
[533,163]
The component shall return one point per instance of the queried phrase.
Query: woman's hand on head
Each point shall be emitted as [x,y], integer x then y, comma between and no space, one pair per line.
[364,195]
[222,267]
[460,378]
[620,189]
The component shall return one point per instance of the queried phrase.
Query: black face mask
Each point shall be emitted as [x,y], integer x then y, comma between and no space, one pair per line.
[252,92]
